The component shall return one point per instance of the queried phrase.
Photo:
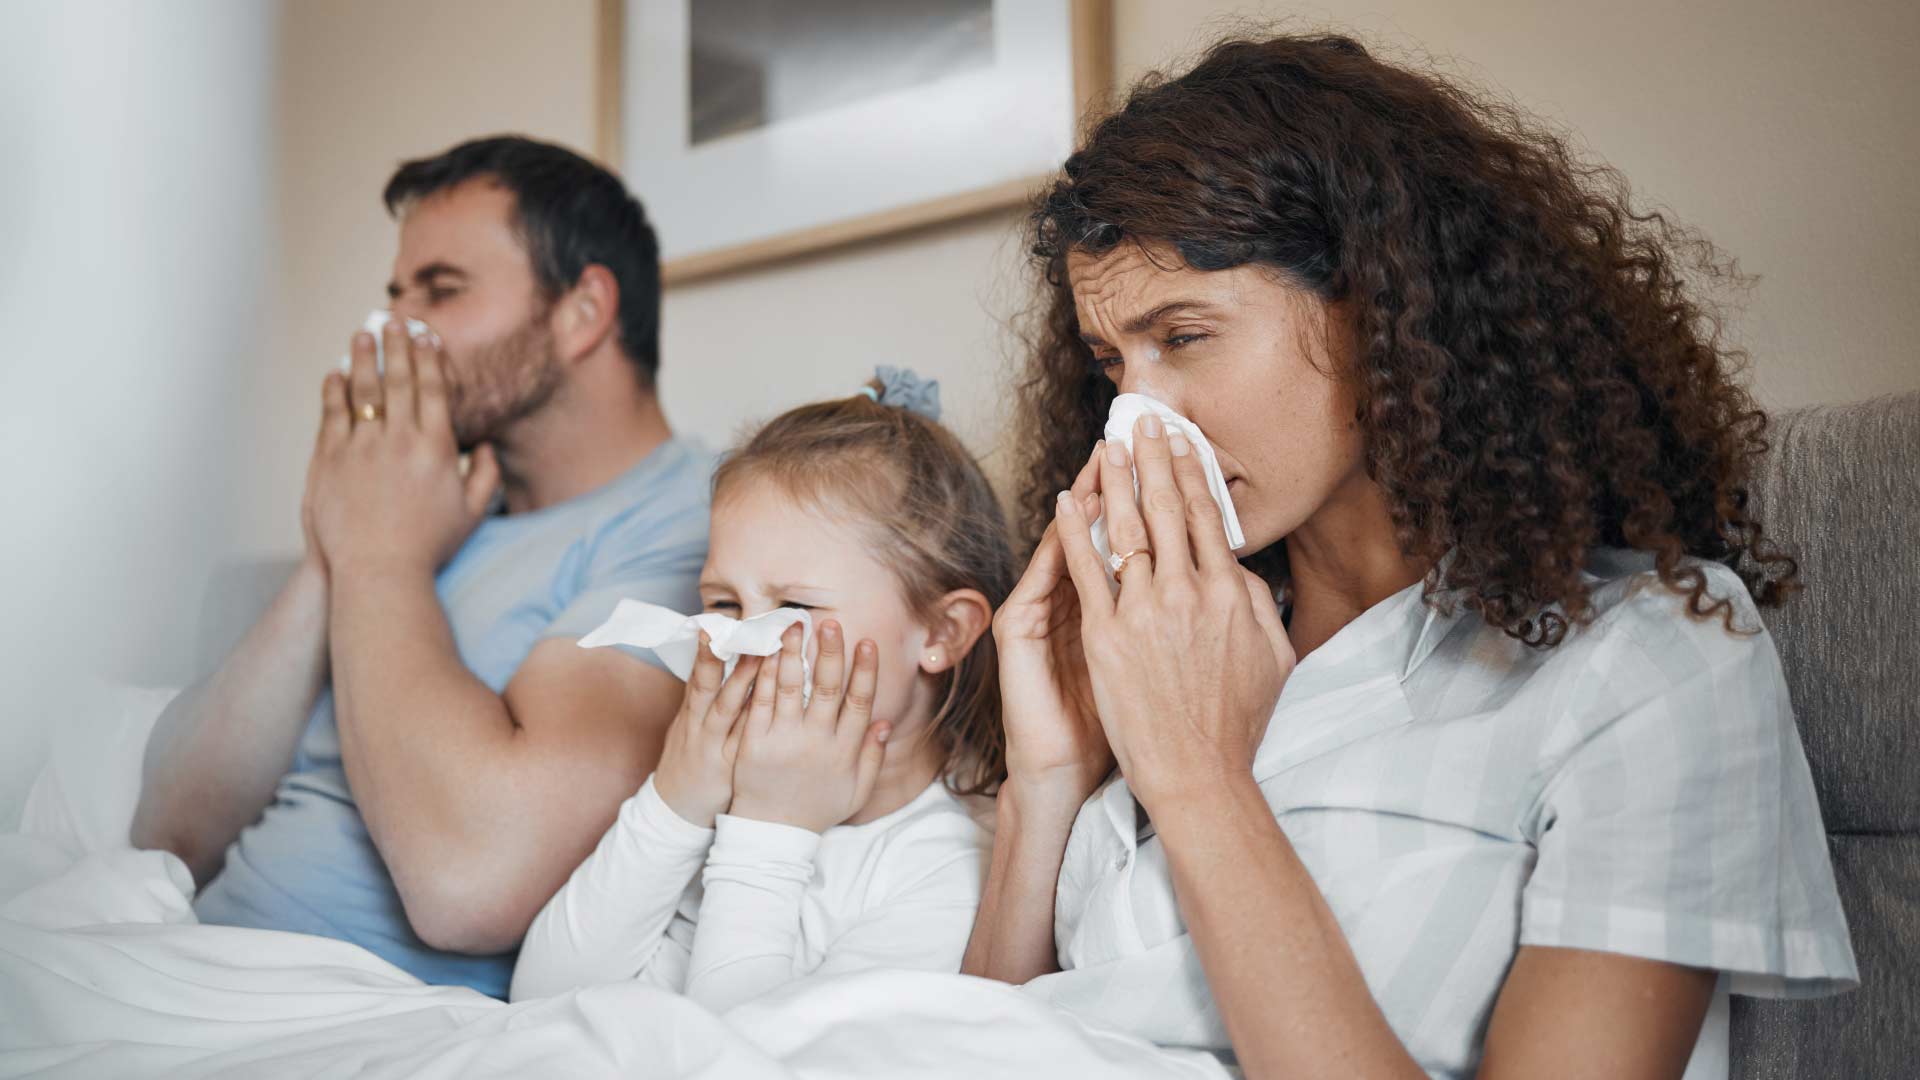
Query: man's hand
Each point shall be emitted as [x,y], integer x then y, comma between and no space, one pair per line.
[385,485]
[312,557]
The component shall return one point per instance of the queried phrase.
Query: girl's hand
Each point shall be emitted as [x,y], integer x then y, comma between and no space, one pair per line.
[695,774]
[1054,740]
[811,766]
[1187,662]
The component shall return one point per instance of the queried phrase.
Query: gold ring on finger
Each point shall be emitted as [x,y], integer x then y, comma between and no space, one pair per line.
[371,411]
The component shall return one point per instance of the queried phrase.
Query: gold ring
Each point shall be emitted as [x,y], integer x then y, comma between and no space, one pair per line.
[1117,562]
[371,411]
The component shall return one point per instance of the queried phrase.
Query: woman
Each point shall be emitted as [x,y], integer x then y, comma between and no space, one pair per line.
[1508,781]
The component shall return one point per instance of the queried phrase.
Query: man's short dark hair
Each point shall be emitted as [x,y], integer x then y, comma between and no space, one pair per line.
[570,213]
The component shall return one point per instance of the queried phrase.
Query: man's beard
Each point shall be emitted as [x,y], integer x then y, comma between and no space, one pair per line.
[502,382]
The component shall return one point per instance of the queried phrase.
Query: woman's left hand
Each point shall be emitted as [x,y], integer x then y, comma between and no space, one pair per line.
[1188,660]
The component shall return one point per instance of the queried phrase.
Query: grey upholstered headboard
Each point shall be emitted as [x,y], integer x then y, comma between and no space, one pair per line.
[1843,484]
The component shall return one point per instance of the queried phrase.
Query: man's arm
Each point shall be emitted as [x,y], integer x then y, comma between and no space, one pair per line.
[222,745]
[482,804]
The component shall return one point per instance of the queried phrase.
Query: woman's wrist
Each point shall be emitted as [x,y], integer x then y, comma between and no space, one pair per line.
[1199,801]
[1194,771]
[1042,805]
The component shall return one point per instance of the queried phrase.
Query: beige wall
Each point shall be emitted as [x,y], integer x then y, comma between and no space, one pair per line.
[1785,131]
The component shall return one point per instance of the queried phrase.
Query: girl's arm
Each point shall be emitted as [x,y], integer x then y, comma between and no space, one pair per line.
[609,922]
[748,934]
[800,770]
[748,939]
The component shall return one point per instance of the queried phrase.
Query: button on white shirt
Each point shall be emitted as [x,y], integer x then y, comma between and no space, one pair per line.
[1638,789]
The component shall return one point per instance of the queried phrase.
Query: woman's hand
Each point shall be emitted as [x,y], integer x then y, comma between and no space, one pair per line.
[811,766]
[1187,661]
[1054,740]
[695,774]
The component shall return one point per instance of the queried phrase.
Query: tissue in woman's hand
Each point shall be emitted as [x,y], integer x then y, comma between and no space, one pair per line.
[1128,408]
[675,638]
[376,322]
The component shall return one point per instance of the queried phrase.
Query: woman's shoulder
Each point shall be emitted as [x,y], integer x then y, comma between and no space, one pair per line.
[1637,617]
[1655,670]
[1639,636]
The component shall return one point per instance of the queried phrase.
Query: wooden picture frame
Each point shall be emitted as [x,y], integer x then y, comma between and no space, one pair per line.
[1091,66]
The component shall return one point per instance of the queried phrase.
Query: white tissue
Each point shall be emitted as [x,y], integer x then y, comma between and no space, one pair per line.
[1128,408]
[675,638]
[376,322]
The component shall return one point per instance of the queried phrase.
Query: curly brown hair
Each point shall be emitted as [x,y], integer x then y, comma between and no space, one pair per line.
[1535,370]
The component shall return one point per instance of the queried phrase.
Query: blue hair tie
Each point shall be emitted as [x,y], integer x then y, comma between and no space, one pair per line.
[903,388]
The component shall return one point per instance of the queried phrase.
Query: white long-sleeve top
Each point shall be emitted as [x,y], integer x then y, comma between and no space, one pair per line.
[774,903]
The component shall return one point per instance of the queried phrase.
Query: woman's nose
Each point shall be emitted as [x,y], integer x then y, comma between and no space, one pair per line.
[1142,378]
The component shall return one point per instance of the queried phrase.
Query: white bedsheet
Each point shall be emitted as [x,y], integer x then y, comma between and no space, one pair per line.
[105,973]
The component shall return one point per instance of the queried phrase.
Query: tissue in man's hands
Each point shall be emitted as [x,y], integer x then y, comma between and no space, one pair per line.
[1128,408]
[376,322]
[675,638]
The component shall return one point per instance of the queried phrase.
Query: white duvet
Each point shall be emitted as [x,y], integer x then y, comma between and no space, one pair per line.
[105,973]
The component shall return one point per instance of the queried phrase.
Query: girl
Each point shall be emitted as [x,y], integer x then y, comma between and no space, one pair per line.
[783,833]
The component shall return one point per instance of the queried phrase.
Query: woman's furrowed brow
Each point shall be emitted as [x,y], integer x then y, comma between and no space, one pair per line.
[1147,320]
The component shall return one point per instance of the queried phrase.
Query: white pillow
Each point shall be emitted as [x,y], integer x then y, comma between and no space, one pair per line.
[83,800]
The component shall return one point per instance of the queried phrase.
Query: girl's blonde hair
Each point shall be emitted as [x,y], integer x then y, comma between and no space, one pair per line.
[938,528]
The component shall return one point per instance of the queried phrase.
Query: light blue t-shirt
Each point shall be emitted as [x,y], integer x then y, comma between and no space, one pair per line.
[308,864]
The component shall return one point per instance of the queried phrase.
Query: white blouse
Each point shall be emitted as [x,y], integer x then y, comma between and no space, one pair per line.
[775,902]
[1638,789]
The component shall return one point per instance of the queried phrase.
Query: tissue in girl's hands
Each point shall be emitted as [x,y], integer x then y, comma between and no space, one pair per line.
[675,638]
[376,322]
[1128,408]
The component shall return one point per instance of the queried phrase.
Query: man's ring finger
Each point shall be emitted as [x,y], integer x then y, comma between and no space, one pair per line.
[371,411]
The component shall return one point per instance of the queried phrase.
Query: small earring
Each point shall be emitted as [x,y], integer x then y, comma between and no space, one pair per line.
[933,658]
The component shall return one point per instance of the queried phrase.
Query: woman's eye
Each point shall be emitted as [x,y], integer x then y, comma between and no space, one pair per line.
[1103,364]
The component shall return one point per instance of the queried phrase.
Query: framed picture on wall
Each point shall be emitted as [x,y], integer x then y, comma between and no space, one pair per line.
[756,130]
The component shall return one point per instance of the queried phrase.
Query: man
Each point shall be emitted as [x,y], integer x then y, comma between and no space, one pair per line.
[453,753]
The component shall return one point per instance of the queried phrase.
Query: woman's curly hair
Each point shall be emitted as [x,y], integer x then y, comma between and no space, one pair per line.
[1534,375]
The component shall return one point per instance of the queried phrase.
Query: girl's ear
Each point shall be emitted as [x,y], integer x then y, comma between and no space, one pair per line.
[959,618]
